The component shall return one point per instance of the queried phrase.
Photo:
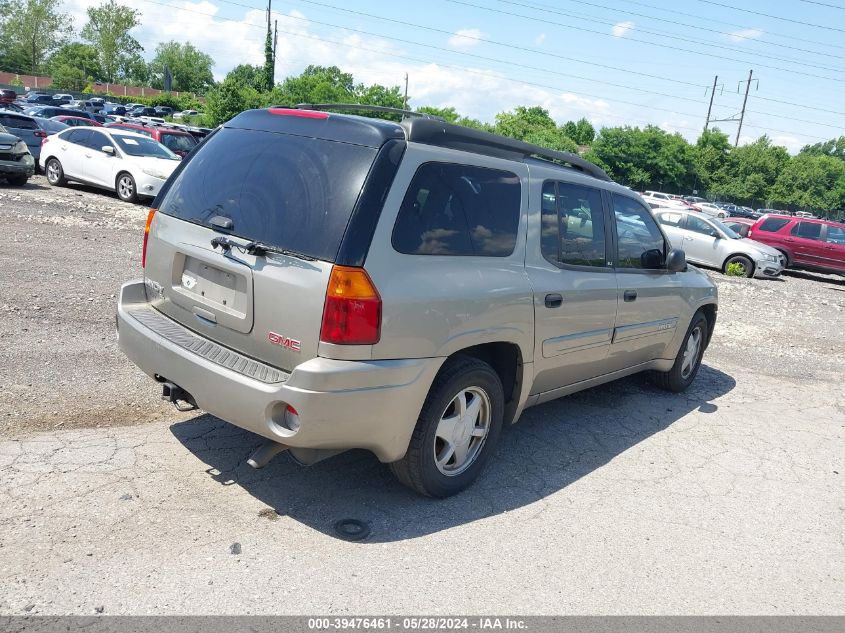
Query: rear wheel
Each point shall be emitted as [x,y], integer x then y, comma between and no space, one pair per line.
[745,265]
[17,181]
[456,431]
[55,173]
[688,360]
[126,189]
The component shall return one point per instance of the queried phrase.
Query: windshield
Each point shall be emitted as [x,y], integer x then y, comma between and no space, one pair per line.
[178,142]
[142,146]
[724,228]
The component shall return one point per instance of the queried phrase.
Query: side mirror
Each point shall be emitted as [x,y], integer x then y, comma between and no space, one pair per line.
[107,149]
[676,261]
[716,234]
[652,259]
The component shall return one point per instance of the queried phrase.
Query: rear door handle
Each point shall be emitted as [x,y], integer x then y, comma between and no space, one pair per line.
[554,300]
[630,295]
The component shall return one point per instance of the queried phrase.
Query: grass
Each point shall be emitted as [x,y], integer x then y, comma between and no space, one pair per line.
[735,269]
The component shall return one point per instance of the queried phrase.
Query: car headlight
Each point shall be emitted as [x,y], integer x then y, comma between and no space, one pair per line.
[771,258]
[155,173]
[20,148]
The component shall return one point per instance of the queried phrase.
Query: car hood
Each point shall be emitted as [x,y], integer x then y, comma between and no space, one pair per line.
[8,139]
[759,246]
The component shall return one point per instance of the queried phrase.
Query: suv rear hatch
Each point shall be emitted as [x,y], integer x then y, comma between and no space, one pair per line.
[285,187]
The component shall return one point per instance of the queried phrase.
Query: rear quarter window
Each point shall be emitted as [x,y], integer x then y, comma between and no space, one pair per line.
[771,225]
[452,209]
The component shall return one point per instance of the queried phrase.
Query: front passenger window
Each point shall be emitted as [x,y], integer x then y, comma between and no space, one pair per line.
[640,243]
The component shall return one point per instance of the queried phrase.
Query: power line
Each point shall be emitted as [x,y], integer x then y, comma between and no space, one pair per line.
[824,4]
[737,35]
[774,17]
[674,11]
[632,39]
[596,20]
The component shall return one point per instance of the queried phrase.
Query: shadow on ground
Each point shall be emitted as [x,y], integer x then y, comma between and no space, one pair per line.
[820,277]
[552,446]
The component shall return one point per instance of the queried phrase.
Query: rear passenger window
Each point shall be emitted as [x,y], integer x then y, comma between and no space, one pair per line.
[573,225]
[79,137]
[454,209]
[670,219]
[18,123]
[771,225]
[807,230]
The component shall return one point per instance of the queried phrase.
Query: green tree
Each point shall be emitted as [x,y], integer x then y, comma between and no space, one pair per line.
[316,84]
[31,31]
[834,147]
[534,125]
[248,76]
[229,99]
[582,131]
[813,182]
[646,158]
[450,114]
[710,158]
[190,67]
[269,60]
[750,172]
[108,30]
[73,64]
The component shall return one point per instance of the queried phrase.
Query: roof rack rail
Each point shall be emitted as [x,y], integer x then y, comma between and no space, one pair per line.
[443,134]
[363,107]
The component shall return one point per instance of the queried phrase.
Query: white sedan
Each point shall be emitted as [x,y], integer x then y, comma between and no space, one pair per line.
[711,209]
[131,164]
[708,242]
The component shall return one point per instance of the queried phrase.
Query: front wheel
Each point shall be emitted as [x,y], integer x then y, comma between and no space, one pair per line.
[741,264]
[688,360]
[17,181]
[126,189]
[456,431]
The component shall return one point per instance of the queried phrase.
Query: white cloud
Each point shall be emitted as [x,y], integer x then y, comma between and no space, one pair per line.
[621,28]
[743,34]
[540,39]
[465,38]
[792,144]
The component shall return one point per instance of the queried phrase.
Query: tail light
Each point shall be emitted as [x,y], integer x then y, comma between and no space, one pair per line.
[44,140]
[40,134]
[147,226]
[352,312]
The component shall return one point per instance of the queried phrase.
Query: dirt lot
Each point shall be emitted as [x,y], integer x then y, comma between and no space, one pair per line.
[727,499]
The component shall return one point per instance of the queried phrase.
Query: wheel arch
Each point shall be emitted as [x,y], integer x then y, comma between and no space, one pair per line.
[506,360]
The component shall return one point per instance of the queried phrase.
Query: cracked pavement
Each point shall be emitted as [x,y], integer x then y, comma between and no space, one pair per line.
[727,499]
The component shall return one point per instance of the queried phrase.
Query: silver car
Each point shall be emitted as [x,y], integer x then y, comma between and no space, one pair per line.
[707,241]
[331,282]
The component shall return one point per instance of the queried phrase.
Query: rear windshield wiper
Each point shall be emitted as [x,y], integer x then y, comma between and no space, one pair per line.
[259,249]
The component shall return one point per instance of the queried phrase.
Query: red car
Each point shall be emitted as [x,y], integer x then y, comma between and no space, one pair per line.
[177,141]
[807,243]
[76,121]
[740,226]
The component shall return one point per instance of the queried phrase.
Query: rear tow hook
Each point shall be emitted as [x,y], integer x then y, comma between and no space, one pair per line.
[175,394]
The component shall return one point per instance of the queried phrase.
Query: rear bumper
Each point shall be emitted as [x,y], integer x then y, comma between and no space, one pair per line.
[372,405]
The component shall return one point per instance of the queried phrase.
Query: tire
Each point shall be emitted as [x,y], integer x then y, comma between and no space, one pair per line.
[747,265]
[17,181]
[482,393]
[681,376]
[126,188]
[55,173]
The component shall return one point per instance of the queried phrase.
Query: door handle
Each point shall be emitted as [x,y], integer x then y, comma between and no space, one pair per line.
[630,295]
[788,239]
[688,239]
[554,300]
[87,155]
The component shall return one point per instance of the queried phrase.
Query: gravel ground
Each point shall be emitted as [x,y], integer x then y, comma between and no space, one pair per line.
[727,499]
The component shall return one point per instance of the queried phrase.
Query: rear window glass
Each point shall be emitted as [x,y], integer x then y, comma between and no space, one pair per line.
[291,192]
[773,224]
[178,142]
[18,123]
[454,209]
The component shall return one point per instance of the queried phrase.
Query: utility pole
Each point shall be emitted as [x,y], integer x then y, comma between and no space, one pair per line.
[710,107]
[744,101]
[405,101]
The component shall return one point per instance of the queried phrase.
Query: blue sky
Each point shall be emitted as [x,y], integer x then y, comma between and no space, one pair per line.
[617,63]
